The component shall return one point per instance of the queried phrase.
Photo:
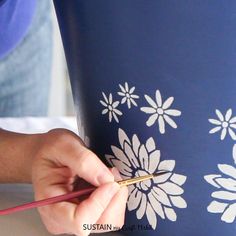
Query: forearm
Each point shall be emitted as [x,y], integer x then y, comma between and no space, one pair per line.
[16,156]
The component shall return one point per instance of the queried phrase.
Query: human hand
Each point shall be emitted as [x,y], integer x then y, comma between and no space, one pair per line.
[60,158]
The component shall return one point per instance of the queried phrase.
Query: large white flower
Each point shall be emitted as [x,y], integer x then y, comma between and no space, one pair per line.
[225,197]
[158,196]
[160,112]
[128,95]
[225,123]
[110,107]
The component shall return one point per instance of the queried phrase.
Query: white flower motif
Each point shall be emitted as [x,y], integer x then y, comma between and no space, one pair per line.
[128,95]
[225,123]
[153,197]
[160,111]
[110,107]
[225,197]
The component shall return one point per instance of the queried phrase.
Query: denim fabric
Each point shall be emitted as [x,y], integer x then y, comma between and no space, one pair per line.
[25,73]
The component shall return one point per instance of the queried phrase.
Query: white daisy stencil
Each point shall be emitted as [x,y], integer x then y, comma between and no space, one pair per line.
[110,107]
[225,124]
[225,197]
[157,197]
[128,96]
[160,111]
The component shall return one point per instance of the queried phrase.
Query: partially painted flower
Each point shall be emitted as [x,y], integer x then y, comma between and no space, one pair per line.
[159,196]
[128,96]
[160,112]
[110,107]
[225,124]
[224,201]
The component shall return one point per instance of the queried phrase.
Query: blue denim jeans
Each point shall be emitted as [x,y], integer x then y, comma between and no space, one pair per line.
[26,72]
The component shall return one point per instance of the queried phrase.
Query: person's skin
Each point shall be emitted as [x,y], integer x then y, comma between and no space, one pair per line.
[51,162]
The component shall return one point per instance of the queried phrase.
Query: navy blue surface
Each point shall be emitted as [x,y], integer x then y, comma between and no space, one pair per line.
[15,19]
[186,49]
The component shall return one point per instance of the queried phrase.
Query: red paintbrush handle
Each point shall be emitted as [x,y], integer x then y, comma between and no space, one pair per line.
[47,201]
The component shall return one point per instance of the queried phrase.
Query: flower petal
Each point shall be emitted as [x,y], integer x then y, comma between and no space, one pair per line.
[167,165]
[143,157]
[234,153]
[233,126]
[154,159]
[173,112]
[105,97]
[115,104]
[123,168]
[214,130]
[170,121]
[131,90]
[119,154]
[123,100]
[161,196]
[134,199]
[151,216]
[217,207]
[211,180]
[150,101]
[148,110]
[171,188]
[103,103]
[178,179]
[223,133]
[122,88]
[134,103]
[228,170]
[214,121]
[129,152]
[233,120]
[135,144]
[162,178]
[128,103]
[232,134]
[156,205]
[142,208]
[109,158]
[168,103]
[170,214]
[229,215]
[224,195]
[123,137]
[150,144]
[115,117]
[178,201]
[110,98]
[228,115]
[110,116]
[219,114]
[161,125]
[104,111]
[227,183]
[151,120]
[158,98]
[126,87]
[121,94]
[118,112]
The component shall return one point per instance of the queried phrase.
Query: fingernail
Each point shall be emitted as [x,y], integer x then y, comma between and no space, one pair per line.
[116,174]
[105,177]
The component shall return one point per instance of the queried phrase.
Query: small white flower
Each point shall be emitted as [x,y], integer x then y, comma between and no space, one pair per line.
[110,107]
[225,124]
[128,95]
[158,196]
[225,198]
[160,112]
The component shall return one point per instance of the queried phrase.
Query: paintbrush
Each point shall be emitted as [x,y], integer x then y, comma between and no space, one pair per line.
[75,194]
